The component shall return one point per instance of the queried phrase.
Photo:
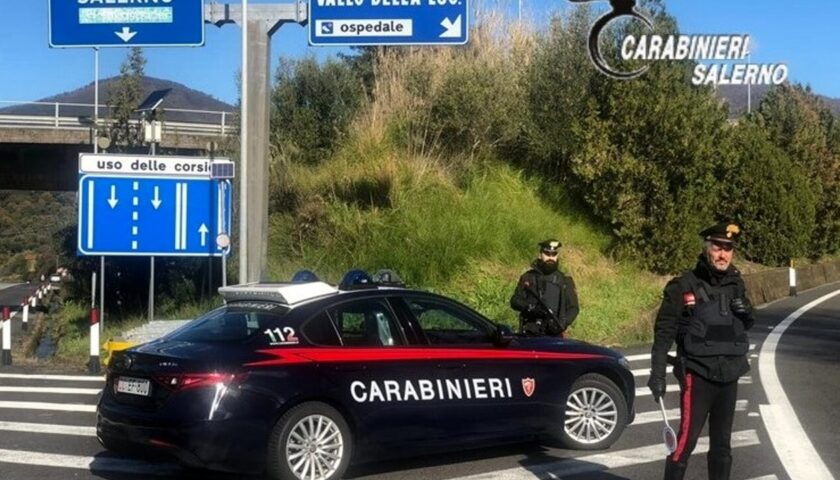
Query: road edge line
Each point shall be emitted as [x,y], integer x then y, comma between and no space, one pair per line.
[793,447]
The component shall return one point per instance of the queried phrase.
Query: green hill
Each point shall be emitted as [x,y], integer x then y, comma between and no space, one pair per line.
[468,234]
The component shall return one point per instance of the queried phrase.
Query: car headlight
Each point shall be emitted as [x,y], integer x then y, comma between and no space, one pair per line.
[624,363]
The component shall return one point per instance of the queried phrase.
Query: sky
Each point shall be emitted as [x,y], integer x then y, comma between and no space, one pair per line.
[801,34]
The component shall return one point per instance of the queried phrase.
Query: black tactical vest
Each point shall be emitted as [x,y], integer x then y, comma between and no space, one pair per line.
[711,328]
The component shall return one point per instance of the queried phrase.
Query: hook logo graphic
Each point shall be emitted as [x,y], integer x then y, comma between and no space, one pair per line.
[620,8]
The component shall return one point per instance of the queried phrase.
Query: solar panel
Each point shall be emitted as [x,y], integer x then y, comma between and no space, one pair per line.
[222,169]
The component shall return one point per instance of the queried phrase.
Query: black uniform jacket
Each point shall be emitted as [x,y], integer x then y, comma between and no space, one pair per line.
[533,284]
[672,320]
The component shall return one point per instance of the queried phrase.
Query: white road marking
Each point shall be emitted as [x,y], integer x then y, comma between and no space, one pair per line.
[766,477]
[644,391]
[646,356]
[644,372]
[741,405]
[75,378]
[604,461]
[60,407]
[794,448]
[745,380]
[654,416]
[753,414]
[98,463]
[642,356]
[59,390]
[48,428]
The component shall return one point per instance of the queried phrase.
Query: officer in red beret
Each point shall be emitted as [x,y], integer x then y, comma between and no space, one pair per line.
[707,312]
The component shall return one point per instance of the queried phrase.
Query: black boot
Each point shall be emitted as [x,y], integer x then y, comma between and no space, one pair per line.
[675,471]
[719,466]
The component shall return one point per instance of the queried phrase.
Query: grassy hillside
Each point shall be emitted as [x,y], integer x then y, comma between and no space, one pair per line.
[468,233]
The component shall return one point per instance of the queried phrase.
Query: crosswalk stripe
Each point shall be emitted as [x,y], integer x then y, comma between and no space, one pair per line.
[74,378]
[63,407]
[644,391]
[60,390]
[604,461]
[766,477]
[644,372]
[655,416]
[98,463]
[646,356]
[48,428]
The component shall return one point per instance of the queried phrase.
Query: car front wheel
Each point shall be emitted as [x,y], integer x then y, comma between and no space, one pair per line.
[596,414]
[311,441]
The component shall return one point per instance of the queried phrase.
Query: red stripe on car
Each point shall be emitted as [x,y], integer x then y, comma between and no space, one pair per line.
[287,356]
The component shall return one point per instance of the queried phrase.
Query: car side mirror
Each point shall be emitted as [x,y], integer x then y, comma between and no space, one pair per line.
[502,335]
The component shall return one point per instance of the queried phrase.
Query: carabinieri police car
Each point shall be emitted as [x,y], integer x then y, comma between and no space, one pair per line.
[299,379]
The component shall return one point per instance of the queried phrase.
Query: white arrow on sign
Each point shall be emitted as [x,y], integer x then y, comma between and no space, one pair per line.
[203,231]
[126,34]
[156,201]
[453,29]
[113,200]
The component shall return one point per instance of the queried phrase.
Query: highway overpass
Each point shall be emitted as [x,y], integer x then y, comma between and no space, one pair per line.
[40,141]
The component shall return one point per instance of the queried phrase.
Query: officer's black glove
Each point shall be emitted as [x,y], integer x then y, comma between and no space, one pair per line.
[741,307]
[656,384]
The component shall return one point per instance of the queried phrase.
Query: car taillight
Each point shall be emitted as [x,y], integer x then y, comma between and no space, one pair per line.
[186,381]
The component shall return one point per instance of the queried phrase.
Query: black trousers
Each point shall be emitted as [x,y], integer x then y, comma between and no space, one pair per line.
[701,398]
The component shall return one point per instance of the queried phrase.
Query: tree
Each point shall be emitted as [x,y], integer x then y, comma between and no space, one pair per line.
[802,125]
[125,95]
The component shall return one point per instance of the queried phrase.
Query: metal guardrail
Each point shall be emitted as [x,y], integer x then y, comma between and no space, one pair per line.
[80,116]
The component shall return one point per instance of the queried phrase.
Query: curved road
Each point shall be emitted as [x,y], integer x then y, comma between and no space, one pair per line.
[48,434]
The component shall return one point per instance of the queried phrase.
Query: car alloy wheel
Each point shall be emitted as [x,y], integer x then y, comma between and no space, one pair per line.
[311,441]
[590,415]
[596,414]
[315,448]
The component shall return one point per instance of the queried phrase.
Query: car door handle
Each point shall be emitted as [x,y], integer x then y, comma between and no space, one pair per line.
[451,365]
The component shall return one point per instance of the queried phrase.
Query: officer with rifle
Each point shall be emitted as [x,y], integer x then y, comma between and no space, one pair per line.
[544,297]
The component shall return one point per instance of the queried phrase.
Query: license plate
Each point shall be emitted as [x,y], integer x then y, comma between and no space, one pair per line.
[133,386]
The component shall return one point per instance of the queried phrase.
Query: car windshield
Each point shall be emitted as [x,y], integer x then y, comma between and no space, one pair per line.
[232,323]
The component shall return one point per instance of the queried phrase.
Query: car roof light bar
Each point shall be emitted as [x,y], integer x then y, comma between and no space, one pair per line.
[287,293]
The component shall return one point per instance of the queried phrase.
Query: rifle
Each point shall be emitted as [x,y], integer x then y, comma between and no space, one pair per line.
[553,316]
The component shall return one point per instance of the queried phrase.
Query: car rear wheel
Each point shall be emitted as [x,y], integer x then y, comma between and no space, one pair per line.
[596,414]
[311,441]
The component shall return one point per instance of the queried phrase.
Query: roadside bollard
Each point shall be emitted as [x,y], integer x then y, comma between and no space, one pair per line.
[7,337]
[32,301]
[93,364]
[24,305]
[792,278]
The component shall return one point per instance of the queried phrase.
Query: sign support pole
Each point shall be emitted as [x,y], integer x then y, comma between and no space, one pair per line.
[101,291]
[95,99]
[258,24]
[151,288]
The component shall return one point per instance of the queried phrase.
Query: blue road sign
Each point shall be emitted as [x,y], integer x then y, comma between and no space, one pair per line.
[388,22]
[110,23]
[160,216]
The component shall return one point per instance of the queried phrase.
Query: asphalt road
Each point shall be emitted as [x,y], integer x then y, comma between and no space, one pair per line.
[49,434]
[12,295]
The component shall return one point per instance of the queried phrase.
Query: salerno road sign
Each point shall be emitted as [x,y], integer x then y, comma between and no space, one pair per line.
[388,22]
[120,23]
